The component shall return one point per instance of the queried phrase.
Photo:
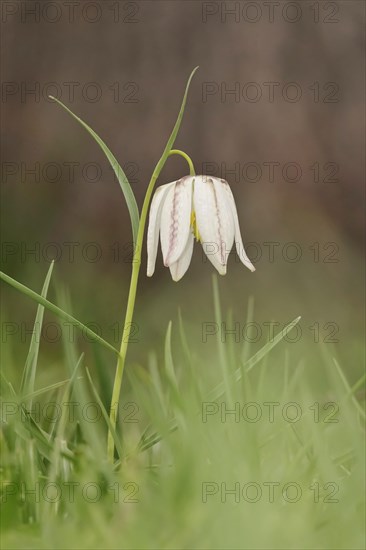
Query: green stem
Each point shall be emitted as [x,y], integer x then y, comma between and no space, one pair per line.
[186,157]
[132,292]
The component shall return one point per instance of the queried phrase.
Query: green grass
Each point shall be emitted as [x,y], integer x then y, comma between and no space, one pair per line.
[186,475]
[236,447]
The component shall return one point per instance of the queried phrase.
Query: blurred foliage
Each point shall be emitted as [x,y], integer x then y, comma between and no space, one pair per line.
[84,226]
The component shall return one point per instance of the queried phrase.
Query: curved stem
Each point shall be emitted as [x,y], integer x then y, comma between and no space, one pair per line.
[186,157]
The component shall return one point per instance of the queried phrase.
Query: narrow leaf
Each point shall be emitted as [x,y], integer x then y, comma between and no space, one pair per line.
[56,310]
[220,388]
[169,365]
[117,442]
[30,367]
[120,174]
[46,389]
[349,390]
[220,344]
[175,130]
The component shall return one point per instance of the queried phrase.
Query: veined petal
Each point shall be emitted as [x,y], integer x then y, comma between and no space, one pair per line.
[238,240]
[175,220]
[154,226]
[179,268]
[214,220]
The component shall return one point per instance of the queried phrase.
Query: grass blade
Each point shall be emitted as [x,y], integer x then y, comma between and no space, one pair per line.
[47,389]
[270,345]
[169,365]
[89,430]
[105,414]
[349,391]
[220,389]
[30,367]
[221,346]
[56,310]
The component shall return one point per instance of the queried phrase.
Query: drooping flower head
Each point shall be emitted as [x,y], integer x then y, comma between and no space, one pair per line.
[200,207]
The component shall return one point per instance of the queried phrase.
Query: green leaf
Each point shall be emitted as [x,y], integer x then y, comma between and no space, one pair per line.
[46,389]
[349,390]
[117,442]
[60,438]
[56,310]
[29,428]
[120,174]
[90,432]
[170,369]
[175,130]
[220,388]
[270,345]
[183,339]
[221,346]
[248,365]
[30,367]
[169,365]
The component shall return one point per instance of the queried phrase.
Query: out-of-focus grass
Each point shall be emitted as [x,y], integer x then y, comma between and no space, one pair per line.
[260,448]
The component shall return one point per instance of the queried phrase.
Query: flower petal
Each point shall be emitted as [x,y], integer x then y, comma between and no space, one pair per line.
[214,220]
[154,226]
[179,268]
[238,240]
[175,220]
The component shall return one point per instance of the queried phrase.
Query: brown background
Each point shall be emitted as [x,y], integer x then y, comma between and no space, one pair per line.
[149,50]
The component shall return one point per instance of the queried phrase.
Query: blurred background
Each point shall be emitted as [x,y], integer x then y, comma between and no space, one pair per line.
[276,108]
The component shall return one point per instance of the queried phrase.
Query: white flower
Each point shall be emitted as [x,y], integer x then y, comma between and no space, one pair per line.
[194,206]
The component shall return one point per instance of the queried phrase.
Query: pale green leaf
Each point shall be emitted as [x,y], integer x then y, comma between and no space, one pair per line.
[56,310]
[120,174]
